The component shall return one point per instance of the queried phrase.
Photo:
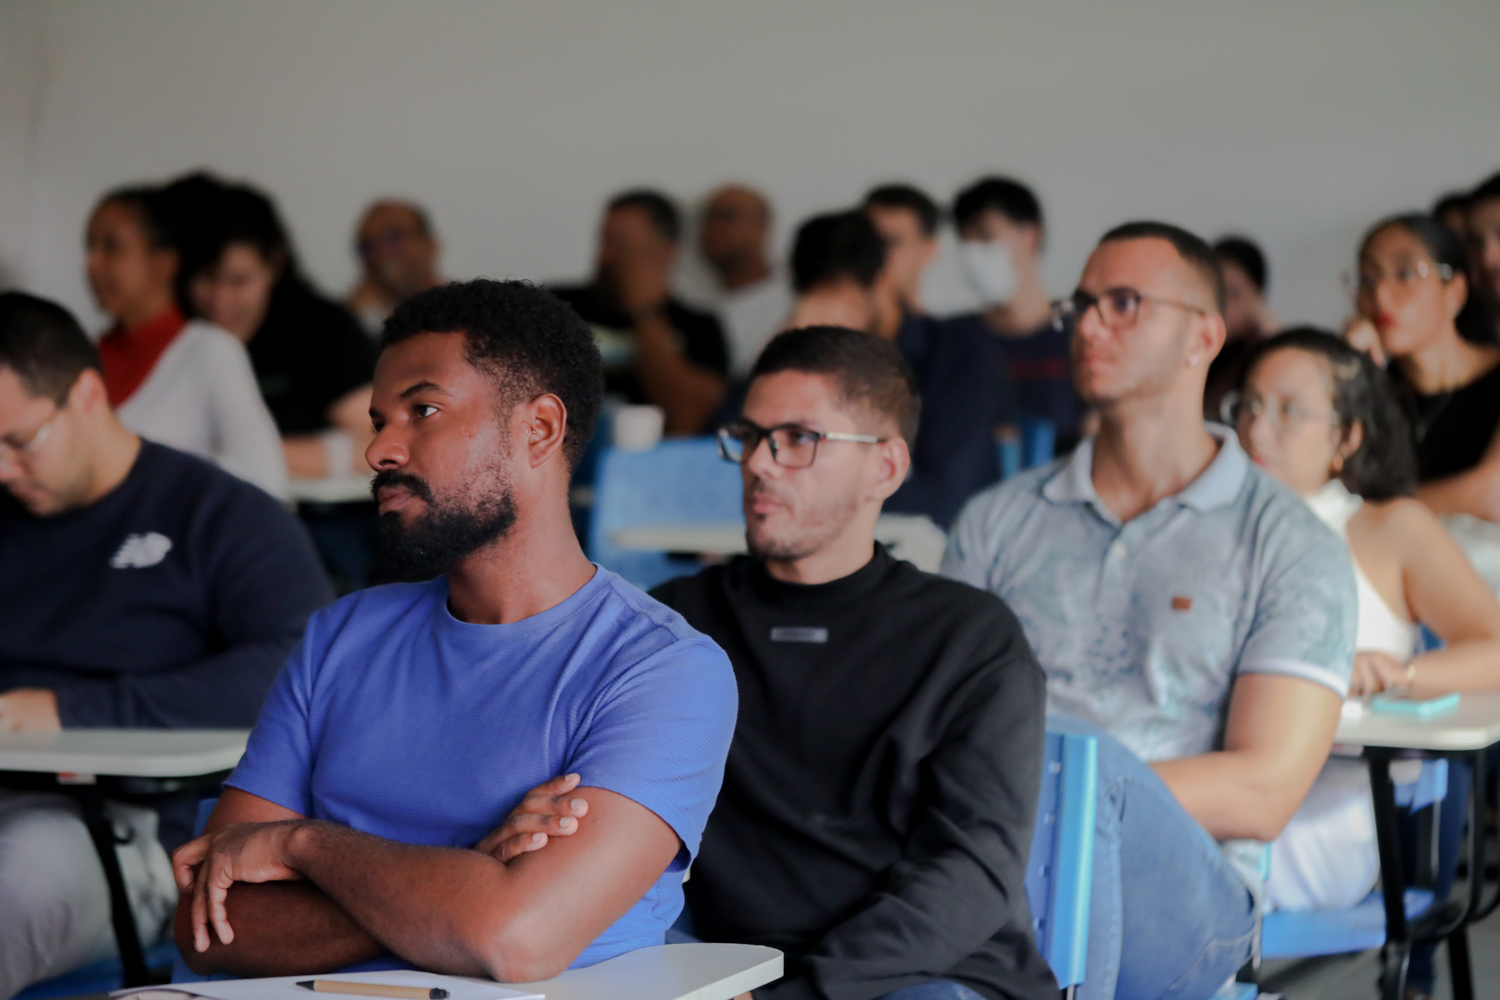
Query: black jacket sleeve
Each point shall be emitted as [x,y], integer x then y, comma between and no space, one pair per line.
[962,877]
[262,580]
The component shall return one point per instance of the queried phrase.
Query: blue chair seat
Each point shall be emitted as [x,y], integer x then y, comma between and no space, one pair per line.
[98,977]
[1301,935]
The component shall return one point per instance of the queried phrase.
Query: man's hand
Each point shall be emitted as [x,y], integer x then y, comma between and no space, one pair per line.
[548,810]
[1376,671]
[643,280]
[29,710]
[243,852]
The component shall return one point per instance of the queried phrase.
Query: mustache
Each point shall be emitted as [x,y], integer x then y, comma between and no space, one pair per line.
[394,477]
[760,488]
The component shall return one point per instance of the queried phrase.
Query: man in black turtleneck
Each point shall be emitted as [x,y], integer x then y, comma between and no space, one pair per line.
[878,802]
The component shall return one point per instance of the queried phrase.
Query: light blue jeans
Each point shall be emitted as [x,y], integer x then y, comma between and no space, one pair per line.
[1169,916]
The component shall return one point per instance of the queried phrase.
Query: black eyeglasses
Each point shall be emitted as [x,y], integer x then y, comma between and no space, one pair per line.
[792,445]
[1119,308]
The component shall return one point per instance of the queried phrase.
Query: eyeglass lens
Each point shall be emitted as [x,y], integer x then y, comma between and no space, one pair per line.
[1118,308]
[791,447]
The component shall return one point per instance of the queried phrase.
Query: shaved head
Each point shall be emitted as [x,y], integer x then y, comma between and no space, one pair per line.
[733,231]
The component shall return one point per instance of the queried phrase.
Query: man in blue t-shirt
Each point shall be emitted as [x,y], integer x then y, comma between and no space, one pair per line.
[414,717]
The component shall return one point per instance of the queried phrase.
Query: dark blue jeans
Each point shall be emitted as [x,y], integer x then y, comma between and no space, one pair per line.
[1169,916]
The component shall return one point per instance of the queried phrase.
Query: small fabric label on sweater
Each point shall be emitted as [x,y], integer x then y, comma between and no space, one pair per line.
[788,633]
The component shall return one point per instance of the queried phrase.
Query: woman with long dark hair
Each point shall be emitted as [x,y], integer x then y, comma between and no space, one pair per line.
[186,384]
[312,359]
[1317,414]
[1416,311]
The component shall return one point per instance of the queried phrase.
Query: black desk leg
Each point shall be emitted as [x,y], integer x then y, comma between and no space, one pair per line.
[1459,967]
[1458,961]
[132,957]
[1388,839]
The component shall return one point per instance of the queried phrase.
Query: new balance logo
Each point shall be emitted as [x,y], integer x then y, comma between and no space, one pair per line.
[140,551]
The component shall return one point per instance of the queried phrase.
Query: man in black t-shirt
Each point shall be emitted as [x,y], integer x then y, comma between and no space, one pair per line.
[139,587]
[655,349]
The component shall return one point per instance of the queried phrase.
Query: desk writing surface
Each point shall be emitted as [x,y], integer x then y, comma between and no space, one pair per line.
[664,972]
[1474,725]
[133,753]
[668,972]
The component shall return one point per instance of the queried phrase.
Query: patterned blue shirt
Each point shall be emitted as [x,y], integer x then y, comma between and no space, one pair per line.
[1143,627]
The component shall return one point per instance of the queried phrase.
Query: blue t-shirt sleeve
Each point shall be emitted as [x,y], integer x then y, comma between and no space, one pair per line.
[661,734]
[277,764]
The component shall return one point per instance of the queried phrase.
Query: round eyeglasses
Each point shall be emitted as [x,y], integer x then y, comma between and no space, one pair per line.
[1241,409]
[1119,308]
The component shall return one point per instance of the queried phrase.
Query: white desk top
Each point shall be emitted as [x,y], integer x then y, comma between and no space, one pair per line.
[668,972]
[329,489]
[1474,725]
[134,753]
[909,537]
[664,972]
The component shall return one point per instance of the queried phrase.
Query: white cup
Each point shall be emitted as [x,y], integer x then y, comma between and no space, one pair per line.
[638,428]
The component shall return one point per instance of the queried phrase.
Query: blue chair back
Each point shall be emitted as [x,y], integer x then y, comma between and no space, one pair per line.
[1060,873]
[1038,442]
[677,482]
[1035,447]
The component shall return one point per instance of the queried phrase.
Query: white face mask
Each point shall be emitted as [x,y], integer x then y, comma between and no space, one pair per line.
[989,269]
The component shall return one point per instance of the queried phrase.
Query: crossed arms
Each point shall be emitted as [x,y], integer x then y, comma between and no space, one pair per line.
[267,892]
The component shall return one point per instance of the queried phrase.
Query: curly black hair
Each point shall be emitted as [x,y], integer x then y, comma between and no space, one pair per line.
[525,338]
[1384,466]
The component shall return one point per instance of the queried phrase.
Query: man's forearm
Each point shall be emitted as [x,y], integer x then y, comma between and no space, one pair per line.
[443,909]
[689,394]
[280,929]
[1230,794]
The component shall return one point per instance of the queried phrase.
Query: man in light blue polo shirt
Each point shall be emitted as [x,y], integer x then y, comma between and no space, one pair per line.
[1182,602]
[414,717]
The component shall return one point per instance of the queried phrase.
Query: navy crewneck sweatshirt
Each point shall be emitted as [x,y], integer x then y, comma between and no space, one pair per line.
[172,602]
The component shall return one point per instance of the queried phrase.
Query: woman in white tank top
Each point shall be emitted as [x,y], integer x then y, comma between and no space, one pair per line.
[1317,415]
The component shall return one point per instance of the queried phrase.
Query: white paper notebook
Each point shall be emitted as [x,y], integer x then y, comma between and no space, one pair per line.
[286,988]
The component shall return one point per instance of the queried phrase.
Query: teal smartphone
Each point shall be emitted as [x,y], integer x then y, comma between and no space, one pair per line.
[1421,707]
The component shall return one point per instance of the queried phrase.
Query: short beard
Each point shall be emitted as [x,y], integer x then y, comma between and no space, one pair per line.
[444,534]
[819,526]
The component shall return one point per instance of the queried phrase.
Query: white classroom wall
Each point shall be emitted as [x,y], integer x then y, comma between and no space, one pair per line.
[1296,121]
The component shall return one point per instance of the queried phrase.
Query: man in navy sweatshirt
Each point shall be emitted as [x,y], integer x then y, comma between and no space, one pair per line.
[139,587]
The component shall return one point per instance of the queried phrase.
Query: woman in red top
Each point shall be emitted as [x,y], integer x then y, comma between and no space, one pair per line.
[131,265]
[184,384]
